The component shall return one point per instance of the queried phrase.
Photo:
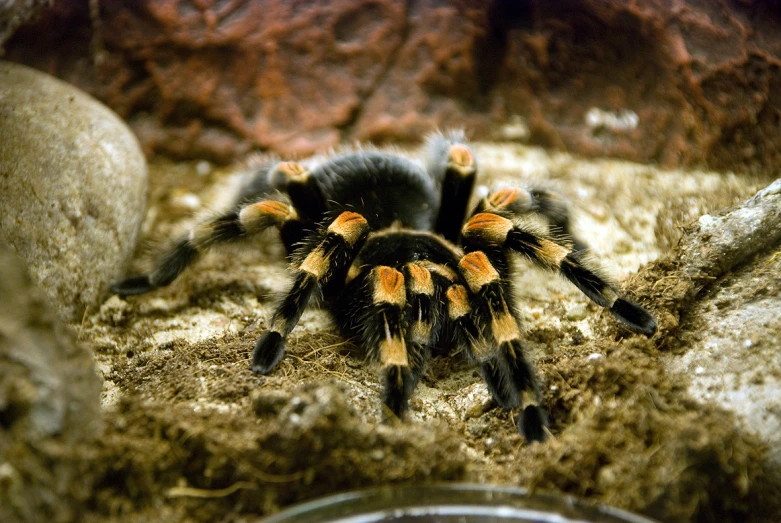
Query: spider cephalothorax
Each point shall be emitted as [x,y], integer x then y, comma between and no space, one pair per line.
[384,238]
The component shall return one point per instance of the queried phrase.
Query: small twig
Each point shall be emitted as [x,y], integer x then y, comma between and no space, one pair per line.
[191,492]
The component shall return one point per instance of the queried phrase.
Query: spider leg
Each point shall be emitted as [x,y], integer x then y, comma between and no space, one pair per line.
[229,227]
[514,202]
[452,163]
[489,230]
[302,188]
[469,337]
[384,336]
[330,252]
[421,322]
[423,312]
[511,379]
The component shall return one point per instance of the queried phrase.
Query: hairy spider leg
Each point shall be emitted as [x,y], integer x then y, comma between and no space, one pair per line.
[384,336]
[458,180]
[515,202]
[491,230]
[511,378]
[229,227]
[424,297]
[469,337]
[421,325]
[395,311]
[304,191]
[331,251]
[293,179]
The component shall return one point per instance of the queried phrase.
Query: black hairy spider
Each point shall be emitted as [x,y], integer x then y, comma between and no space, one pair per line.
[384,239]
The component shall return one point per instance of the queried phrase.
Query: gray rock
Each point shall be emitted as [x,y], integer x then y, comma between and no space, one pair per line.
[730,264]
[73,181]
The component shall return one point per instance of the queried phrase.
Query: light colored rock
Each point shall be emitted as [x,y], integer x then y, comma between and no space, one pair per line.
[577,311]
[73,182]
[733,327]
[735,362]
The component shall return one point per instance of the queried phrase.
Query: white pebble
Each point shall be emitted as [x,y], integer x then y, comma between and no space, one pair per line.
[185,202]
[203,168]
[577,312]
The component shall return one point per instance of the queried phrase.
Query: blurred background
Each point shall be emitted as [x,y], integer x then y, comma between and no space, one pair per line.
[676,83]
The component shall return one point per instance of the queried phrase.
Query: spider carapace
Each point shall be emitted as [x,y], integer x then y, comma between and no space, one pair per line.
[404,266]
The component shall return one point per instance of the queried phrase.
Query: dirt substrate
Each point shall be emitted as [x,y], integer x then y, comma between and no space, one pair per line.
[192,434]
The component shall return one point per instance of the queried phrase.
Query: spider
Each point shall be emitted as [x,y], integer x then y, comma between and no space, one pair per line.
[403,267]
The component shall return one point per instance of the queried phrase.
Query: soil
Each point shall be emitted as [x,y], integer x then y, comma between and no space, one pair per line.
[193,435]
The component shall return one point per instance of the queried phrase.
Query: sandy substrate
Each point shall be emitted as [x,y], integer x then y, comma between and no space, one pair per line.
[647,425]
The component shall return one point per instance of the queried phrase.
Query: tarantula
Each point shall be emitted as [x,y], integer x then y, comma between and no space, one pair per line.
[383,238]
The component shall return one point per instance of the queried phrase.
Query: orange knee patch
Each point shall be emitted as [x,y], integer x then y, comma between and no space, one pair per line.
[488,226]
[477,270]
[263,214]
[457,301]
[350,226]
[293,170]
[551,253]
[274,208]
[420,279]
[505,197]
[461,159]
[389,286]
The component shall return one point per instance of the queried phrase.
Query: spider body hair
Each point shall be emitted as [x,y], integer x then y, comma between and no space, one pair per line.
[403,267]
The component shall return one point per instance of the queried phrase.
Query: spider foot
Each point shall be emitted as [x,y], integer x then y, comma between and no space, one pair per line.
[531,423]
[133,286]
[269,350]
[634,317]
[399,384]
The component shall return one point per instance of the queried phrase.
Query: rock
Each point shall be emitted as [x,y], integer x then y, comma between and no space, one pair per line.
[722,293]
[690,82]
[576,312]
[74,185]
[735,327]
[49,403]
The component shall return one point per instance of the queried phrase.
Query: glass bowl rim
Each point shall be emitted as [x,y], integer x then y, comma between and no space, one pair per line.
[388,499]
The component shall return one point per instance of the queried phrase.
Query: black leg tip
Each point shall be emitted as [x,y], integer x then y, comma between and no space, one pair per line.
[399,384]
[132,286]
[532,422]
[634,317]
[269,350]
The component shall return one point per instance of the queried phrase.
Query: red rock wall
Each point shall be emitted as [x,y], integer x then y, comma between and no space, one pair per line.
[215,78]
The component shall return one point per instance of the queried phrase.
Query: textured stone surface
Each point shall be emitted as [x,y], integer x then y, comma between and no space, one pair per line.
[49,400]
[719,308]
[73,184]
[678,83]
